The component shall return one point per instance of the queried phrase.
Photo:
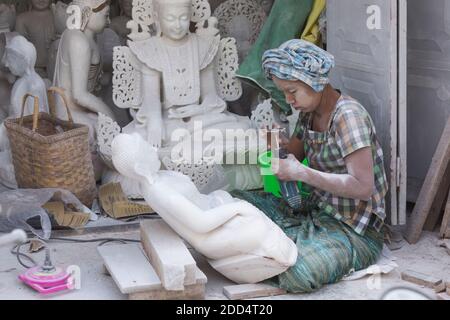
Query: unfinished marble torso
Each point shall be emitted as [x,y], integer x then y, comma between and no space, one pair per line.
[20,57]
[238,239]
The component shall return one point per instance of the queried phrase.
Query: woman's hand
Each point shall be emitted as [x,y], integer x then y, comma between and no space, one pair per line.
[289,169]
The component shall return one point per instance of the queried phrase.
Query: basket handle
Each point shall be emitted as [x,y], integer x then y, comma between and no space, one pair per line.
[35,110]
[51,102]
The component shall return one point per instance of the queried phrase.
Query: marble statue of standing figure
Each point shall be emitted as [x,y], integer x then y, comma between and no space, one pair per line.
[20,58]
[78,67]
[37,25]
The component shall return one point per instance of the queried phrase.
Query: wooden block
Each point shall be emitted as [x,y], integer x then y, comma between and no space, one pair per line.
[440,200]
[249,291]
[168,254]
[191,292]
[446,219]
[443,296]
[129,268]
[441,287]
[133,274]
[421,279]
[437,175]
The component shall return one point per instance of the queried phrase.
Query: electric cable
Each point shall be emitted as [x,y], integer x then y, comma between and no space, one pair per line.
[19,255]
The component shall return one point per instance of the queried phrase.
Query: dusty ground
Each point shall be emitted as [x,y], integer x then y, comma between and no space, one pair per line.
[424,257]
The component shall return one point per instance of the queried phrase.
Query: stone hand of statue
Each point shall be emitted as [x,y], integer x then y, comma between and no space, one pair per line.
[186,111]
[289,169]
[213,103]
[154,136]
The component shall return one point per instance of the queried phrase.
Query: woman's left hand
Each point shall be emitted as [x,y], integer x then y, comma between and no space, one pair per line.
[289,169]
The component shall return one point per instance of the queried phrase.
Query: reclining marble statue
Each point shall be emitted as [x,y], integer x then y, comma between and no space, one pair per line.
[239,240]
[176,79]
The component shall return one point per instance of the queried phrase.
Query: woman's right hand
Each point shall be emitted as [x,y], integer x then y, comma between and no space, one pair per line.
[283,141]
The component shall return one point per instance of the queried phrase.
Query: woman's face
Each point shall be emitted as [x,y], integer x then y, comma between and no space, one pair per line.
[99,20]
[40,4]
[298,94]
[174,20]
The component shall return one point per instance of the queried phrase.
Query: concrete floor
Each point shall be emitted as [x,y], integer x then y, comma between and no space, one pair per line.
[424,257]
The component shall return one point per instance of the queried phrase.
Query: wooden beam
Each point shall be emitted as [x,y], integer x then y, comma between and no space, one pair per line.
[249,291]
[430,187]
[439,203]
[421,279]
[446,218]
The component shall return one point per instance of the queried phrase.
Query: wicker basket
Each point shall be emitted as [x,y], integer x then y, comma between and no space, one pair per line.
[51,153]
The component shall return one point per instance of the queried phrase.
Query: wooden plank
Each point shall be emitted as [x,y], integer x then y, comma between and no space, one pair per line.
[421,279]
[447,233]
[446,218]
[441,287]
[430,188]
[443,296]
[249,291]
[191,292]
[439,203]
[129,268]
[402,109]
[133,274]
[168,254]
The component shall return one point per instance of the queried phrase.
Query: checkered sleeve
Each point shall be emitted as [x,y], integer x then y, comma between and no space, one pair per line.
[353,130]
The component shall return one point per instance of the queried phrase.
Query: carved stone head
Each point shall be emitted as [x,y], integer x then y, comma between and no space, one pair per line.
[40,5]
[20,56]
[174,17]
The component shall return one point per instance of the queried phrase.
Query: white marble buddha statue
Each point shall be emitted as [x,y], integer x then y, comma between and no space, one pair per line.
[78,67]
[37,25]
[239,240]
[177,84]
[179,78]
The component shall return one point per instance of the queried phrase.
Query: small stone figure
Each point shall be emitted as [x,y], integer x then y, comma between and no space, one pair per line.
[20,57]
[37,25]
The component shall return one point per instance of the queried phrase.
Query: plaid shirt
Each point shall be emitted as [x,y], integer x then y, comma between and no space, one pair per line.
[350,129]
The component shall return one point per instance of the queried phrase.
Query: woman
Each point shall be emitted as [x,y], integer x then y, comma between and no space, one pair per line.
[341,231]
